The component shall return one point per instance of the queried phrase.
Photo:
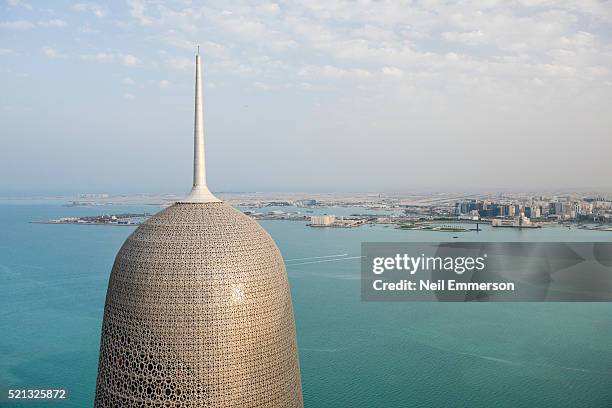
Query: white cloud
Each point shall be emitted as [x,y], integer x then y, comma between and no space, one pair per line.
[556,69]
[50,52]
[19,3]
[371,32]
[127,81]
[269,9]
[324,71]
[26,24]
[164,83]
[452,56]
[330,71]
[307,86]
[99,12]
[579,40]
[7,51]
[138,10]
[433,45]
[599,71]
[263,86]
[180,63]
[17,25]
[469,38]
[250,27]
[393,71]
[55,23]
[130,60]
[106,57]
[94,8]
[361,73]
[87,29]
[129,96]
[100,57]
[447,41]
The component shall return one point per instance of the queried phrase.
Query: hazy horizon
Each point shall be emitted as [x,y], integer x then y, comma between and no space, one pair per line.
[311,193]
[318,97]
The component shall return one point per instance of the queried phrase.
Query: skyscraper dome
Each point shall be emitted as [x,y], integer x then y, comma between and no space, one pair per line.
[198,310]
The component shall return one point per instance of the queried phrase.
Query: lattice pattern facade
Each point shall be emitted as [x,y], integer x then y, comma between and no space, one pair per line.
[198,314]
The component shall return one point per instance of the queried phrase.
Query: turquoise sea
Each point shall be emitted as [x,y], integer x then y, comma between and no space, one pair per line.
[352,353]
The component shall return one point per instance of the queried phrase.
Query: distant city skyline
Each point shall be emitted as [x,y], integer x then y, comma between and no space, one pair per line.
[322,96]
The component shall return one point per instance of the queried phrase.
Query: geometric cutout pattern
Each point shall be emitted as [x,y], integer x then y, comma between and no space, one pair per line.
[198,313]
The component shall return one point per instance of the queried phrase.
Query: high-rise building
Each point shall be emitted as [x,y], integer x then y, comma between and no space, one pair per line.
[511,210]
[198,310]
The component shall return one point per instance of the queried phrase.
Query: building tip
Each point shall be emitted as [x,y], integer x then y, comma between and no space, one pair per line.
[198,50]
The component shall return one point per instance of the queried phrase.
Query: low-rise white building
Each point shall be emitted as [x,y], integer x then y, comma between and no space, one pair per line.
[322,220]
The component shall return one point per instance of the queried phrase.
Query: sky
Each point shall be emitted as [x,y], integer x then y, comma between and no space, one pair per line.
[480,95]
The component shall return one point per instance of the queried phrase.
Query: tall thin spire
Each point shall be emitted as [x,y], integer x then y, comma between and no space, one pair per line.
[200,192]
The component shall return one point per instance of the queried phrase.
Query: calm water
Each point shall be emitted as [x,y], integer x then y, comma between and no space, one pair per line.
[353,354]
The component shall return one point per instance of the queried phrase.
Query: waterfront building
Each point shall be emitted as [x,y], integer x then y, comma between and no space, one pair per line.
[305,203]
[493,210]
[198,311]
[467,207]
[582,208]
[522,220]
[322,220]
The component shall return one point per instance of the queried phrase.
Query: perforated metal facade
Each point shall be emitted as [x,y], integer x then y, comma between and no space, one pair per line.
[198,314]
